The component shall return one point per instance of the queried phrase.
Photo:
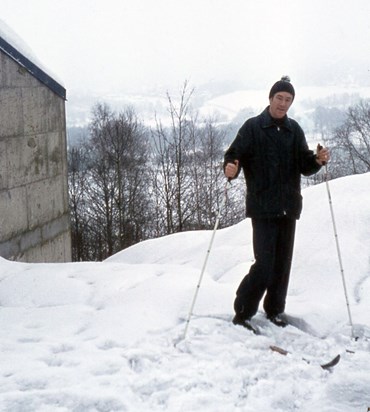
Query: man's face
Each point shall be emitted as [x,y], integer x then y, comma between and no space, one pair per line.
[279,104]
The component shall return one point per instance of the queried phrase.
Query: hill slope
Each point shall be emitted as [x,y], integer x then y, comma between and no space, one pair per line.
[107,336]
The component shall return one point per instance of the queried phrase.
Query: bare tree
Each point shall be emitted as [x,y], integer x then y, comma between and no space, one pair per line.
[125,188]
[111,194]
[358,141]
[132,197]
[351,142]
[207,174]
[188,177]
[77,184]
[171,157]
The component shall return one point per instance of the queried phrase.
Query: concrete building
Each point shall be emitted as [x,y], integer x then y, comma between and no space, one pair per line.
[34,216]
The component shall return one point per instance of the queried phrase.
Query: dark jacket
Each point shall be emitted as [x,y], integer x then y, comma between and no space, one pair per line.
[273,157]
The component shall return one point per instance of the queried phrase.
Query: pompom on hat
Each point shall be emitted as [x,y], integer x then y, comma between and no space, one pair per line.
[283,85]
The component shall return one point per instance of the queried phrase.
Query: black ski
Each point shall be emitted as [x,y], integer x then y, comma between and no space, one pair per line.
[325,366]
[332,363]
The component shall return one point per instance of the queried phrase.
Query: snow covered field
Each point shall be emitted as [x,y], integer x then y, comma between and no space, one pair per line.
[107,336]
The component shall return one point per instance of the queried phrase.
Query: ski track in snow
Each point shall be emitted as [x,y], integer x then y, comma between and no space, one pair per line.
[360,287]
[219,364]
[109,336]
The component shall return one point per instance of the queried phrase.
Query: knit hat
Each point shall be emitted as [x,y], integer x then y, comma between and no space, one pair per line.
[282,85]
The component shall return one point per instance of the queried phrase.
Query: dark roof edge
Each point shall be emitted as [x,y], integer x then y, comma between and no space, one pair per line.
[32,68]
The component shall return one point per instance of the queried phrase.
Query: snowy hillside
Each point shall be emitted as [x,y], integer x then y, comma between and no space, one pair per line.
[107,336]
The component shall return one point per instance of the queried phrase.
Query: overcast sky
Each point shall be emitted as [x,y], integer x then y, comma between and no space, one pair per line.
[132,45]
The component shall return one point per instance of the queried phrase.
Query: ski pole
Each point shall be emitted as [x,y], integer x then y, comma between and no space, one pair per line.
[338,248]
[206,258]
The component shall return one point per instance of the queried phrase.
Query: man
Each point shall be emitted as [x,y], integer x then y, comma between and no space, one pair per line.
[273,153]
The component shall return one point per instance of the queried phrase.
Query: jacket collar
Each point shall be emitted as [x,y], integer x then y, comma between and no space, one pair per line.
[268,121]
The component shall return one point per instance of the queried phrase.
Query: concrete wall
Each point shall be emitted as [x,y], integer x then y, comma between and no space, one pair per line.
[34,217]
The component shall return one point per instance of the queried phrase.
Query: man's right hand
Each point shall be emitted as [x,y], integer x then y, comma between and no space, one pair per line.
[231,169]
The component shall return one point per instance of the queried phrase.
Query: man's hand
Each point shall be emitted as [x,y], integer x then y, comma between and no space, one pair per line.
[231,169]
[322,155]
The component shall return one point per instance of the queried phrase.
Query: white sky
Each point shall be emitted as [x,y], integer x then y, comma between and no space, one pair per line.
[110,46]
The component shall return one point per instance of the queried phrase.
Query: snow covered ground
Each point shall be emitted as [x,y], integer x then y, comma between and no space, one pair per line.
[107,336]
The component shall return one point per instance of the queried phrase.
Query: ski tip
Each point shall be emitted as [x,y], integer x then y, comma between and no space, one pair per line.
[332,363]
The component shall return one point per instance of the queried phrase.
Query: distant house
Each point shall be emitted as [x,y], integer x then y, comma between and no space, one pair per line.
[34,217]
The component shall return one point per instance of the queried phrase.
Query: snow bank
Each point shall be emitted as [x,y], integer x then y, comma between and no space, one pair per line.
[107,336]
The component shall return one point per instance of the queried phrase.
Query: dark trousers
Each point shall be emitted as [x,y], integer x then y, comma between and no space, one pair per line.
[273,242]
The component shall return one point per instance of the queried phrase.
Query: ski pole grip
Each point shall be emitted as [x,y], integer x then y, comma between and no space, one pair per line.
[319,147]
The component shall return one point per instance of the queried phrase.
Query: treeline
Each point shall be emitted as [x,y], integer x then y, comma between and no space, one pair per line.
[350,142]
[129,182]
